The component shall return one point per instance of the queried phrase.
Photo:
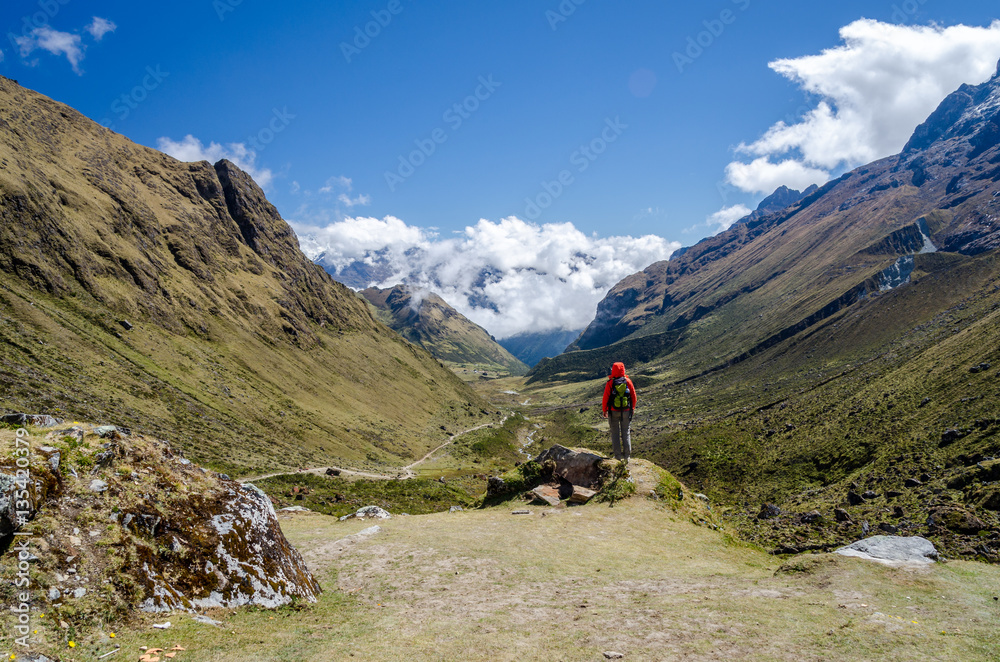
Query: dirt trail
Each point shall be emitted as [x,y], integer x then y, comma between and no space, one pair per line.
[404,473]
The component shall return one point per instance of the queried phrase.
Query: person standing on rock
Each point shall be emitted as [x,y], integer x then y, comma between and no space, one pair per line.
[618,406]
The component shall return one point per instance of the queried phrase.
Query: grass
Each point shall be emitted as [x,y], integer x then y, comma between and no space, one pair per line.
[451,586]
[338,497]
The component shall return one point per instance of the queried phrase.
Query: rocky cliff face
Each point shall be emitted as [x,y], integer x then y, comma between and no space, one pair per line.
[106,509]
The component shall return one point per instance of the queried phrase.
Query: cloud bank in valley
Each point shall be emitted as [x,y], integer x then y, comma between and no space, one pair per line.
[509,277]
[871,93]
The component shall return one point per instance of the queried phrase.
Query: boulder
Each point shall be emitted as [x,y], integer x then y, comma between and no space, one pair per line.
[957,519]
[841,515]
[239,556]
[34,420]
[581,495]
[769,511]
[912,482]
[812,516]
[372,512]
[892,550]
[855,499]
[579,468]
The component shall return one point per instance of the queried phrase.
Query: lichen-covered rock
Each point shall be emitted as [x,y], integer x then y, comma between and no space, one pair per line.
[176,537]
[236,555]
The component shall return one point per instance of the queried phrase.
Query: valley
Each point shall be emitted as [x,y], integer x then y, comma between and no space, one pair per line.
[210,401]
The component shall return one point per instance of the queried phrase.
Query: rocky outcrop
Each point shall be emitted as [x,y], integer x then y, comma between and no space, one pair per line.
[576,467]
[164,534]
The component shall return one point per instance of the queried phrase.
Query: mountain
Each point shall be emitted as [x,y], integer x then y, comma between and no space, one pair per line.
[828,250]
[533,347]
[134,287]
[837,356]
[425,319]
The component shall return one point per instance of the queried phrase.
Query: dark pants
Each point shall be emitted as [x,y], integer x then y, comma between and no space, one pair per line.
[621,438]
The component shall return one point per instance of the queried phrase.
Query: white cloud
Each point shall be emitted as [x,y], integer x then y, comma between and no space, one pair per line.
[723,219]
[764,176]
[509,276]
[192,149]
[55,42]
[336,184]
[872,93]
[100,27]
[348,201]
[1,55]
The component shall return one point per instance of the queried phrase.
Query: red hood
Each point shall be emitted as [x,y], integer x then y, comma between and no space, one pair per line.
[618,370]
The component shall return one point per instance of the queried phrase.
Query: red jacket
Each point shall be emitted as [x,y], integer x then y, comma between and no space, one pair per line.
[618,370]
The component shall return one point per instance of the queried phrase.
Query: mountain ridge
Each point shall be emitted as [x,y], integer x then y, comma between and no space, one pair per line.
[427,320]
[137,287]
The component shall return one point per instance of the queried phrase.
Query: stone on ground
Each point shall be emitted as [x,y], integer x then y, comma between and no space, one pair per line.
[892,550]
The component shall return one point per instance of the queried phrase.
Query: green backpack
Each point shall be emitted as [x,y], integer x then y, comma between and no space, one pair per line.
[621,395]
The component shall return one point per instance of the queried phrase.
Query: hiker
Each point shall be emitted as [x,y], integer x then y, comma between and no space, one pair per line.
[618,406]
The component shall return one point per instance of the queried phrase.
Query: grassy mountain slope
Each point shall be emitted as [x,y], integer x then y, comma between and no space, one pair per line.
[772,276]
[242,352]
[440,329]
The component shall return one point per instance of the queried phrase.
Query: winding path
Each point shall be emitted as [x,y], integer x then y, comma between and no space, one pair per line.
[407,471]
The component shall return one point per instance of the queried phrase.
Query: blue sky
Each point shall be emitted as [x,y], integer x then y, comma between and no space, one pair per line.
[321,124]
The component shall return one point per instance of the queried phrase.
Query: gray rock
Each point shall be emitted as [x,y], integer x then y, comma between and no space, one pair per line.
[372,512]
[455,509]
[613,655]
[769,511]
[105,431]
[98,485]
[521,512]
[294,509]
[577,468]
[855,499]
[812,516]
[912,482]
[205,620]
[870,495]
[79,592]
[54,594]
[892,550]
[35,420]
